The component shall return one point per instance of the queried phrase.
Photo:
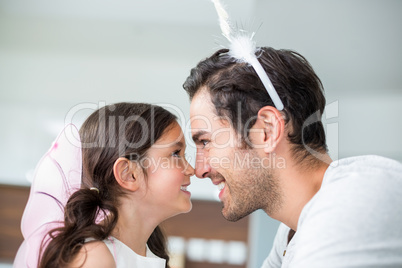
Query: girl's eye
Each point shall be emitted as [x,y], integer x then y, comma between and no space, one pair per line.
[176,153]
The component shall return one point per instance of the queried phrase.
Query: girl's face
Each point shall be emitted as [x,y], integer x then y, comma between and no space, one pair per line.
[168,174]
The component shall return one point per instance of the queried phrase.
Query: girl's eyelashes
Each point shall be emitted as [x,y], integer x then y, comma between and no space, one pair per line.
[180,154]
[176,153]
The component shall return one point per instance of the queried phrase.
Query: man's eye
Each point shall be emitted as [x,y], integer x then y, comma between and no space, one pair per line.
[204,143]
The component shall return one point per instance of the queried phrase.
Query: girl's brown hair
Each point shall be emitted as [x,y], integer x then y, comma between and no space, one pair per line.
[118,130]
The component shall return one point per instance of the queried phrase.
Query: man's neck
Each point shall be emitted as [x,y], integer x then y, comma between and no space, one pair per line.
[299,184]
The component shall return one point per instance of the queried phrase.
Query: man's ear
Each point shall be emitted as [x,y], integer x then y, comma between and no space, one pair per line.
[271,121]
[126,174]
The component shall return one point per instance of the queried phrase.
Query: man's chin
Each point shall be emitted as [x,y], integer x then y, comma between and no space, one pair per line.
[230,216]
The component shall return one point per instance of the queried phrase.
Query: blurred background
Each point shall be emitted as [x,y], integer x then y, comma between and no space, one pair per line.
[60,60]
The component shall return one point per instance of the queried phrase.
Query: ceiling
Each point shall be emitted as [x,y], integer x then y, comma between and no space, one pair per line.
[349,43]
[155,12]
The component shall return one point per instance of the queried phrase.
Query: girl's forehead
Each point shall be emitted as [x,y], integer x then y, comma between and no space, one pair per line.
[172,137]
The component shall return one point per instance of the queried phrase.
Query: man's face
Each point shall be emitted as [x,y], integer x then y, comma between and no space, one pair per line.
[245,185]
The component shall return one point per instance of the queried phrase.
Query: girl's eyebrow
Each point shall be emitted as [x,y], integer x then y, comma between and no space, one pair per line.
[178,143]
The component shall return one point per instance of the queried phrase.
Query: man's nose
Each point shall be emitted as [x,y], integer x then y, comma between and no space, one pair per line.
[202,167]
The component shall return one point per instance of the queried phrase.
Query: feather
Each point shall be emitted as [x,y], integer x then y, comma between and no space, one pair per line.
[224,23]
[242,48]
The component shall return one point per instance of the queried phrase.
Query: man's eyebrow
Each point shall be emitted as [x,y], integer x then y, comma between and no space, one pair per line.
[197,135]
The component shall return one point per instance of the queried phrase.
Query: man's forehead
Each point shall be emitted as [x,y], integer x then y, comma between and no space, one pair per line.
[201,102]
[203,114]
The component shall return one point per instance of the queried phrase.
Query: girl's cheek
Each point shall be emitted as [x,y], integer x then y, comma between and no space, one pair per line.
[179,172]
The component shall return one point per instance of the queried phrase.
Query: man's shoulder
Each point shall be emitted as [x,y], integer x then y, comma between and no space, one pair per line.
[359,190]
[361,185]
[354,212]
[374,160]
[363,168]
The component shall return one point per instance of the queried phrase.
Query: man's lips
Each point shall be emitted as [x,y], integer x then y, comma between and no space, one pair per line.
[221,185]
[217,179]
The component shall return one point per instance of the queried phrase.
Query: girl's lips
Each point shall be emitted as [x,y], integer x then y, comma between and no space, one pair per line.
[183,188]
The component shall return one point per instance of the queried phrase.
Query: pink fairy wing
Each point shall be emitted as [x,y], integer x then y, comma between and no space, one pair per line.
[57,176]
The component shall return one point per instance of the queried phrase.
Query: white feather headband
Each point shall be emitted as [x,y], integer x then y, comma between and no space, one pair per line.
[242,47]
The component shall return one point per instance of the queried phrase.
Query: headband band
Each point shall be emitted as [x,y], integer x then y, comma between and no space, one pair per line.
[242,47]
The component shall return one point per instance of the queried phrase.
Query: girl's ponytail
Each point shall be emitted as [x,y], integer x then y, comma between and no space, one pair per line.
[83,214]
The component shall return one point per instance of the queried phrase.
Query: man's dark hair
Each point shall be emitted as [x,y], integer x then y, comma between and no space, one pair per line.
[238,94]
